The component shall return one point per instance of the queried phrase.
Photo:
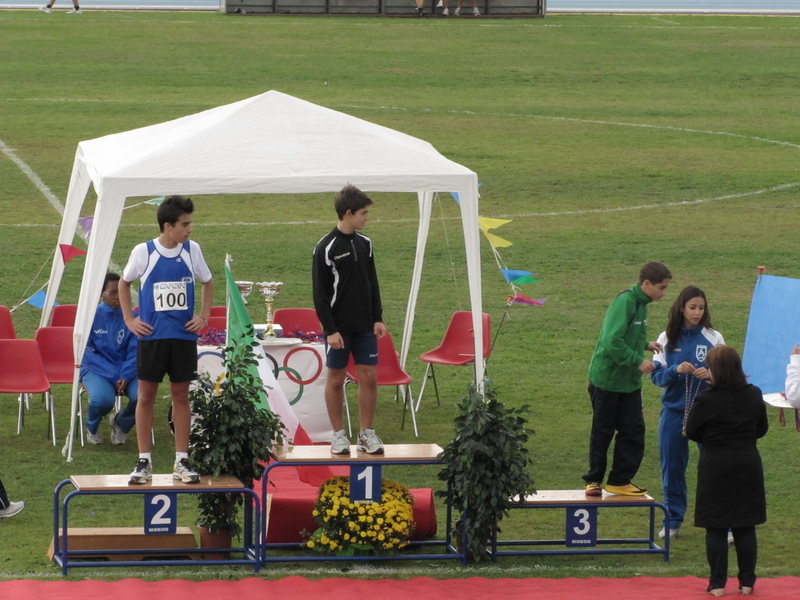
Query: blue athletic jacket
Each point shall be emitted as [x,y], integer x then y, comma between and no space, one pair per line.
[111,347]
[693,347]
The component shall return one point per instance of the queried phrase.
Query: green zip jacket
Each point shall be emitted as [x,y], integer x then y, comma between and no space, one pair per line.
[623,340]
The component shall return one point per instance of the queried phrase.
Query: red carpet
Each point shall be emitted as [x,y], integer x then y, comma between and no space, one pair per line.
[419,588]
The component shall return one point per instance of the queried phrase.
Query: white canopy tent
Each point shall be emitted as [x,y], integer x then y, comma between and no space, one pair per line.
[269,144]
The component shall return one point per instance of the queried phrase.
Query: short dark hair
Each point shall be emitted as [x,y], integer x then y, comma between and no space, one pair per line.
[109,277]
[725,365]
[676,318]
[351,198]
[171,209]
[654,272]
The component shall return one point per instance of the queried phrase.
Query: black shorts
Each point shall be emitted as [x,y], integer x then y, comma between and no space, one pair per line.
[363,347]
[176,358]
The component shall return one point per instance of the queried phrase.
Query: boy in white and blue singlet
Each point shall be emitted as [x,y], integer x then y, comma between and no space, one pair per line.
[167,327]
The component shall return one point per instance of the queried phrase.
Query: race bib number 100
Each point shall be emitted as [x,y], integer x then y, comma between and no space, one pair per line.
[170,295]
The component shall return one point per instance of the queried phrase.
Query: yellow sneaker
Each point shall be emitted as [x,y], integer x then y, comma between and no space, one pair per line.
[594,489]
[626,490]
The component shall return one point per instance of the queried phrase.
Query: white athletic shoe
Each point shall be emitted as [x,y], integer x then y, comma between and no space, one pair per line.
[142,473]
[13,508]
[339,443]
[182,469]
[45,9]
[94,438]
[476,12]
[117,435]
[673,533]
[75,11]
[369,442]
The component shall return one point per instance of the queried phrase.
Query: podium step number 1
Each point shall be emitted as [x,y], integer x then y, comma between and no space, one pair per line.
[365,484]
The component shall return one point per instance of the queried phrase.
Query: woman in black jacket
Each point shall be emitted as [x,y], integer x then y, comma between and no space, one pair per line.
[727,420]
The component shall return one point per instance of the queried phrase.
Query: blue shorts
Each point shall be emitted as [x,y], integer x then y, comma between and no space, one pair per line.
[363,347]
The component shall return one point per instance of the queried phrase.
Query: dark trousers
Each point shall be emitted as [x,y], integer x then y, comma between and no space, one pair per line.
[621,414]
[4,502]
[744,539]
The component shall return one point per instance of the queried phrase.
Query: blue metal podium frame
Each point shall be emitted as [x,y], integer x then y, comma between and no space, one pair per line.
[161,483]
[398,454]
[550,499]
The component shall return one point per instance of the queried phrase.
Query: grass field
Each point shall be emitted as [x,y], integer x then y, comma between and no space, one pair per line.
[608,140]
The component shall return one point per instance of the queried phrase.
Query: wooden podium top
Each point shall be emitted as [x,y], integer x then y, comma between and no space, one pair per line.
[160,482]
[580,497]
[391,453]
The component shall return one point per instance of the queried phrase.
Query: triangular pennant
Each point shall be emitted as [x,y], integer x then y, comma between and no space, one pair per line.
[512,274]
[86,225]
[487,223]
[155,201]
[496,241]
[69,252]
[38,299]
[524,280]
[522,299]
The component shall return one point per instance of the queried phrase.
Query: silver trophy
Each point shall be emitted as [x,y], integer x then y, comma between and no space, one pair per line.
[269,289]
[245,287]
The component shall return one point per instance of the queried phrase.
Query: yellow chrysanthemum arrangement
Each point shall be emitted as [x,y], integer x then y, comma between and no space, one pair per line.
[348,529]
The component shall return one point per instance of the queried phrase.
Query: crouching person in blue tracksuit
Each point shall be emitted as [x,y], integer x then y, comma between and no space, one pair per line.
[108,368]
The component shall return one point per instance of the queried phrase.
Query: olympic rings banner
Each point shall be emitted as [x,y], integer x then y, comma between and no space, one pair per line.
[299,369]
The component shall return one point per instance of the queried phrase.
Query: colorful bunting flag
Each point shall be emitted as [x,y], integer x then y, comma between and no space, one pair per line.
[515,276]
[86,225]
[38,300]
[524,280]
[486,224]
[69,252]
[521,299]
[156,201]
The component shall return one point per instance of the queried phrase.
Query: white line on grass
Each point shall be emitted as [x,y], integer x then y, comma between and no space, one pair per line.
[575,120]
[588,211]
[40,185]
[35,179]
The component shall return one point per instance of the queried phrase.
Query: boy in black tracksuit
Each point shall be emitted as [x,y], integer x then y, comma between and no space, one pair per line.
[348,304]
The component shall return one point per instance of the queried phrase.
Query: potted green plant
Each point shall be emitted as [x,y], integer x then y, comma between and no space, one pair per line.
[485,466]
[231,435]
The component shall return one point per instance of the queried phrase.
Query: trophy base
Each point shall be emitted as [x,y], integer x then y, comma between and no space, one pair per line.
[262,327]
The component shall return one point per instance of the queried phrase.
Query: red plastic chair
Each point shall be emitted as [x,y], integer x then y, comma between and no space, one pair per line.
[21,372]
[7,331]
[58,360]
[219,311]
[296,319]
[457,347]
[63,315]
[387,372]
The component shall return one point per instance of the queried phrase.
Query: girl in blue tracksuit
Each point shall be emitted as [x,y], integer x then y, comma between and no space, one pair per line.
[681,371]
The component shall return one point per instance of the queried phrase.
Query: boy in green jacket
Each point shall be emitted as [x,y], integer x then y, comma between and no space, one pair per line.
[615,384]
